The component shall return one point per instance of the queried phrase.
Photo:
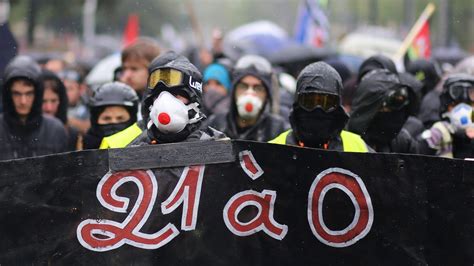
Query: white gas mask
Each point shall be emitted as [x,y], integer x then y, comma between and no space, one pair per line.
[170,115]
[249,106]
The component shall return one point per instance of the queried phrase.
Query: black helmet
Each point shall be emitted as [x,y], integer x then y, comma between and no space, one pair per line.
[457,88]
[113,94]
[188,81]
[175,74]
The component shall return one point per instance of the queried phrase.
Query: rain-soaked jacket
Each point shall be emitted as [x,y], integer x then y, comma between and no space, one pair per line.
[368,101]
[39,135]
[268,125]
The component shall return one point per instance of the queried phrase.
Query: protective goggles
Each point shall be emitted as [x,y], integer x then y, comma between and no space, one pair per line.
[312,100]
[172,78]
[462,91]
[396,99]
[260,64]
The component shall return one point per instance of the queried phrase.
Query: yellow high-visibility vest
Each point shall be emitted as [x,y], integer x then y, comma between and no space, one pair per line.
[121,139]
[351,142]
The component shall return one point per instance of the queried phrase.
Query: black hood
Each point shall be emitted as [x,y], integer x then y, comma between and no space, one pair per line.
[49,77]
[369,98]
[445,98]
[319,77]
[22,67]
[376,62]
[426,71]
[317,127]
[410,81]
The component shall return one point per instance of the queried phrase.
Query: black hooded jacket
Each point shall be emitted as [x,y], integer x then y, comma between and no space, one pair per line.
[427,72]
[322,78]
[268,125]
[73,134]
[368,101]
[376,62]
[38,135]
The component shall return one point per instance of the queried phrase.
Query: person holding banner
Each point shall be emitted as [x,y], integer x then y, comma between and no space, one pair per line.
[173,101]
[317,117]
[24,130]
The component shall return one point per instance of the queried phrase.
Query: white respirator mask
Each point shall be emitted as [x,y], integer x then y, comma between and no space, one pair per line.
[170,115]
[249,106]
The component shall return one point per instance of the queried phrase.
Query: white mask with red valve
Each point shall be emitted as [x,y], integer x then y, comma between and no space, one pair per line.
[171,115]
[249,106]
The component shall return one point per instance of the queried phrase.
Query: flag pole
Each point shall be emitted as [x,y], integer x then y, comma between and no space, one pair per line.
[429,10]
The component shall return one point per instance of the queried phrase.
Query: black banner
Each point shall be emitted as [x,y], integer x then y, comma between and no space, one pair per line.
[236,203]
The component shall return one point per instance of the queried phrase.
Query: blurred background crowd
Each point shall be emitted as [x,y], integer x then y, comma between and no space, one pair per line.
[406,80]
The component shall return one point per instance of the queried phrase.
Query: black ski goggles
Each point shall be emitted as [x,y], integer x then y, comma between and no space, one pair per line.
[172,78]
[312,100]
[461,91]
[396,99]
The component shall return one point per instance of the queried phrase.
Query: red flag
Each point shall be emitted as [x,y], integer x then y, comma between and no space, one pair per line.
[421,46]
[132,30]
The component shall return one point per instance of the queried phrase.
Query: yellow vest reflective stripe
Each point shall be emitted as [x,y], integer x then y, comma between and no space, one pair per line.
[281,139]
[121,139]
[351,142]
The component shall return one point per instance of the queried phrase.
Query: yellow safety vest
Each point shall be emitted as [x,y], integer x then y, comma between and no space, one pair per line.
[121,139]
[351,142]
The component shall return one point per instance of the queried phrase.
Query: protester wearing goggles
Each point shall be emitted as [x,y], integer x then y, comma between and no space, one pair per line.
[453,136]
[249,117]
[380,108]
[172,103]
[317,116]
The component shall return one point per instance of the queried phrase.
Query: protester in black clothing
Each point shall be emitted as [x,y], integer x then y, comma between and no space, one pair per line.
[173,101]
[317,117]
[113,108]
[380,108]
[24,131]
[453,136]
[249,117]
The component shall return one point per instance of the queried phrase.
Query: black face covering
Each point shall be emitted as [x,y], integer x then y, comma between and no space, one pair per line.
[317,127]
[110,129]
[385,126]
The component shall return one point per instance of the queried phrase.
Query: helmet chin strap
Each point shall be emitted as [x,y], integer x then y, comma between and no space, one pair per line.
[197,117]
[192,106]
